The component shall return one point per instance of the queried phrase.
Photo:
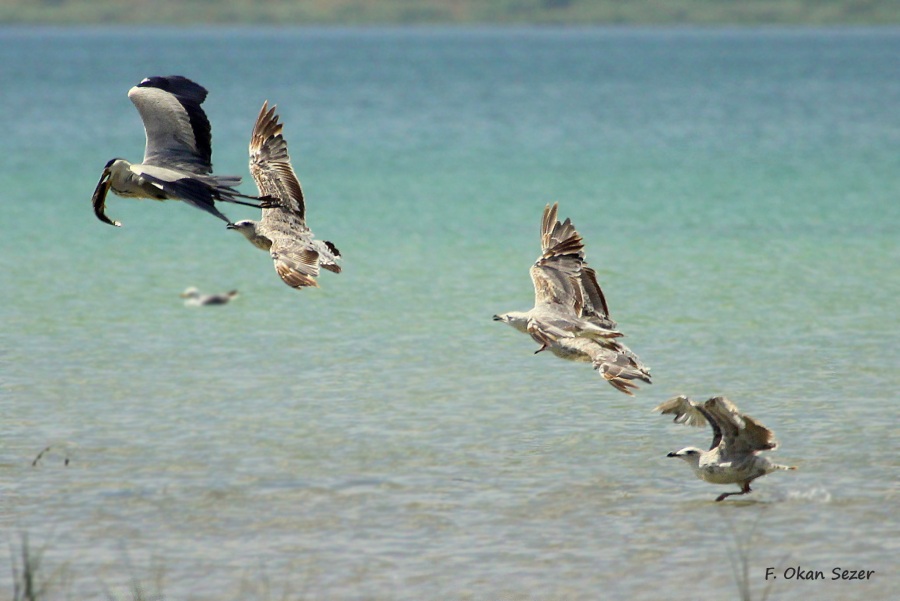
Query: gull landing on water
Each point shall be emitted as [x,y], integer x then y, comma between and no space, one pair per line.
[733,457]
[282,230]
[177,157]
[570,317]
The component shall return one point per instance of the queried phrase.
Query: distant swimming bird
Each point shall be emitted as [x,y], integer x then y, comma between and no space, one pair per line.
[570,317]
[193,298]
[178,155]
[282,231]
[733,457]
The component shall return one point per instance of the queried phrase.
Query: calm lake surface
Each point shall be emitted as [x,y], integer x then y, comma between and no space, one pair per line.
[381,437]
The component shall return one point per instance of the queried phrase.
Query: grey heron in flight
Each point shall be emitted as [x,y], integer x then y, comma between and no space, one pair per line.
[177,158]
[282,230]
[570,317]
[733,457]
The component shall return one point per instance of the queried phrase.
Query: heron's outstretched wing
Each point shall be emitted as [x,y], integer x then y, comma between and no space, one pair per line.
[270,166]
[177,129]
[741,434]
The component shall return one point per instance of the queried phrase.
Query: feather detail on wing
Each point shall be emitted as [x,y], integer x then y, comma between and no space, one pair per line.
[296,253]
[685,411]
[554,273]
[298,265]
[567,298]
[688,412]
[270,166]
[740,433]
[594,306]
[178,131]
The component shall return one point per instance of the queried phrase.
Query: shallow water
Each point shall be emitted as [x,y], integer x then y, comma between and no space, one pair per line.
[381,437]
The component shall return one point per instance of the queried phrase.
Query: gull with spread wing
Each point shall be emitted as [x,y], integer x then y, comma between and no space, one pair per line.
[570,317]
[733,457]
[282,230]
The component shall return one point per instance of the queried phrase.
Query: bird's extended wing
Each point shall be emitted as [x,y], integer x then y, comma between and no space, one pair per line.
[555,271]
[612,360]
[594,306]
[296,261]
[270,166]
[685,411]
[741,433]
[177,129]
[688,412]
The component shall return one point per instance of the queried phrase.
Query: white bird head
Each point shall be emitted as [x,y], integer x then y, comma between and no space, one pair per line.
[247,227]
[517,319]
[690,455]
[190,293]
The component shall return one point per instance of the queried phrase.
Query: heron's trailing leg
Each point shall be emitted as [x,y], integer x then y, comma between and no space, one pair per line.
[270,202]
[265,202]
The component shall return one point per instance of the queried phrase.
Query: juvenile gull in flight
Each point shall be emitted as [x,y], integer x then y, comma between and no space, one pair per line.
[282,230]
[177,158]
[733,457]
[570,317]
[193,298]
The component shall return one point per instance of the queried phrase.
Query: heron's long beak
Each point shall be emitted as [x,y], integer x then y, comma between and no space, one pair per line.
[99,199]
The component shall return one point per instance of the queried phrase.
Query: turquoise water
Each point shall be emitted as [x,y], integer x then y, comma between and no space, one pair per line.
[381,437]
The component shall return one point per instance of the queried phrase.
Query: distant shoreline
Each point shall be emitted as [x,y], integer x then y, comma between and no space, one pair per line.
[700,13]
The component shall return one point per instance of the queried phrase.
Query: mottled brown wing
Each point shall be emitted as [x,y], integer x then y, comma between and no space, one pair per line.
[557,238]
[270,166]
[554,285]
[685,411]
[555,272]
[741,434]
[593,305]
[296,263]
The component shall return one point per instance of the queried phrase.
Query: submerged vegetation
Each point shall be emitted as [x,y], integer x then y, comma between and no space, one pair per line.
[29,580]
[385,12]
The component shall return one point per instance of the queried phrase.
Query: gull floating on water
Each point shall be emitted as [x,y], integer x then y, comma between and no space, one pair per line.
[193,298]
[570,317]
[178,155]
[733,457]
[282,230]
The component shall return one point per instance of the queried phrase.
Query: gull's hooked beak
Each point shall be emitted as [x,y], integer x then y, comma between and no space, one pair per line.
[230,226]
[98,200]
[497,318]
[672,454]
